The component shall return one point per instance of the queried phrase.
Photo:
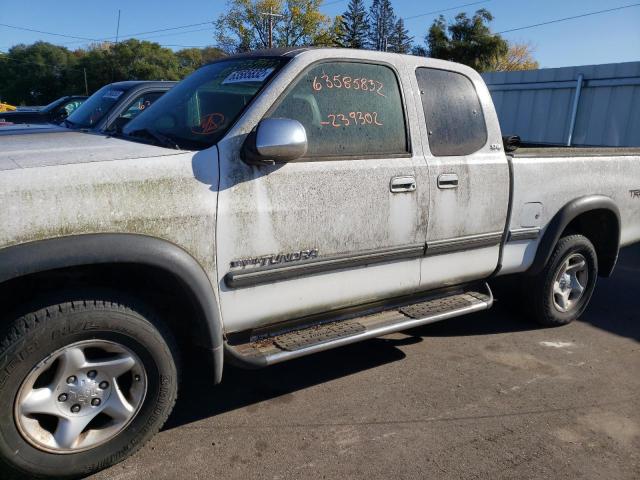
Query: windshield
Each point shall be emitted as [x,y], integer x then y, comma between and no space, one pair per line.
[196,113]
[95,107]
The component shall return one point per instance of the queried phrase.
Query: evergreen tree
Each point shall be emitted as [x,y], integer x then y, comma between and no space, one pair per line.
[381,24]
[354,26]
[399,40]
[419,51]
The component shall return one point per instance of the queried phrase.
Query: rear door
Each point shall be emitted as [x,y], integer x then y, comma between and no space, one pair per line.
[339,227]
[467,173]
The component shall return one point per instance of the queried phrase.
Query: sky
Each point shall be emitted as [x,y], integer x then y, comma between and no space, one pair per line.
[604,38]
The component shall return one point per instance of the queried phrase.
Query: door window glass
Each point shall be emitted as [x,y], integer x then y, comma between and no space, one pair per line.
[347,109]
[453,112]
[135,108]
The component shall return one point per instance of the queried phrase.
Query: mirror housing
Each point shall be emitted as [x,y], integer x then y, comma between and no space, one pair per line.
[275,140]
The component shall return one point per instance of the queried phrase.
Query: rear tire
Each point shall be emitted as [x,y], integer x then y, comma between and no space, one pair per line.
[102,360]
[560,293]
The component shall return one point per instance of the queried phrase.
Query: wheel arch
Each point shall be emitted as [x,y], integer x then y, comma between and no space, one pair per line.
[144,253]
[596,217]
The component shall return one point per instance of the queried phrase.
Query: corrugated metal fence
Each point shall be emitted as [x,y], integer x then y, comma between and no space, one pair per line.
[597,105]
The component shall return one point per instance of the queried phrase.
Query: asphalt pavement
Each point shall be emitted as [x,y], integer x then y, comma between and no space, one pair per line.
[483,396]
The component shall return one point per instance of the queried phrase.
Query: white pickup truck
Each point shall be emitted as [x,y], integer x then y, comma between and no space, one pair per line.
[270,206]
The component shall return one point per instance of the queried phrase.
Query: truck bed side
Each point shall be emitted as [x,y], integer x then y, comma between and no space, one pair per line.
[547,179]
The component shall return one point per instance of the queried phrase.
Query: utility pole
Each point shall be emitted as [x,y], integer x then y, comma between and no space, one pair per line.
[118,27]
[271,15]
[86,85]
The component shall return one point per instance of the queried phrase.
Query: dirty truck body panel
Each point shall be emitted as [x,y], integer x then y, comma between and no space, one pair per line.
[271,206]
[399,205]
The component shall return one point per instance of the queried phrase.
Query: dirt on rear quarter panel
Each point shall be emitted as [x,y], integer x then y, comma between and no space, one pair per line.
[158,196]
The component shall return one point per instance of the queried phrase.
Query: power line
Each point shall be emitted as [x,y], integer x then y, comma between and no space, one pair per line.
[444,10]
[40,64]
[175,33]
[47,33]
[210,22]
[106,39]
[569,18]
[329,3]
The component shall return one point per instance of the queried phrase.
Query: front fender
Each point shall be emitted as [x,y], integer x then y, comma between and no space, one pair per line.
[119,248]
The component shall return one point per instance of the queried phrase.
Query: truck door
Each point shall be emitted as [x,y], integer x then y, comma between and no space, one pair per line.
[467,173]
[340,226]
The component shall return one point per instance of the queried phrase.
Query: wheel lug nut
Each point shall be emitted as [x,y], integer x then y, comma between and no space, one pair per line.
[71,379]
[92,374]
[95,402]
[136,378]
[103,385]
[62,397]
[75,408]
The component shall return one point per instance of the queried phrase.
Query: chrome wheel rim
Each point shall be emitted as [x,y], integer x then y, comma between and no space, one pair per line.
[570,283]
[80,396]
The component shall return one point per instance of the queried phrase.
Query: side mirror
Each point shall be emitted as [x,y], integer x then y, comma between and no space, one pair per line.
[275,140]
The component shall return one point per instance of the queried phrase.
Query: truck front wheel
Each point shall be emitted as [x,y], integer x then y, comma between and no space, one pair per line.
[561,292]
[84,383]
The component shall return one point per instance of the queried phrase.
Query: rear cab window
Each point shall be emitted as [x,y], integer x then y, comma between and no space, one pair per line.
[348,109]
[452,111]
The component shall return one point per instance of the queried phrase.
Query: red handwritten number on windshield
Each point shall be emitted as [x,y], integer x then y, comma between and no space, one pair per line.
[209,124]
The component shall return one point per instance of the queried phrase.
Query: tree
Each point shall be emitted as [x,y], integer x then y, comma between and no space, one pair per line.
[36,74]
[353,28]
[190,59]
[246,27]
[39,73]
[399,40]
[129,60]
[381,24]
[467,40]
[519,57]
[419,51]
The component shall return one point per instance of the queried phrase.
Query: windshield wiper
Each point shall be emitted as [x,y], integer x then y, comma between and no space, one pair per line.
[164,140]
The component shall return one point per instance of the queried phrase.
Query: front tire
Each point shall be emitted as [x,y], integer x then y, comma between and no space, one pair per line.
[83,384]
[561,292]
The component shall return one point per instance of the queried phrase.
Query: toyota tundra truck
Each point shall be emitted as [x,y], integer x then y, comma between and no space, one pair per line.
[274,205]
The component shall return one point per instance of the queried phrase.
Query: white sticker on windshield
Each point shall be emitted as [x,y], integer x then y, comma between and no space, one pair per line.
[114,94]
[248,75]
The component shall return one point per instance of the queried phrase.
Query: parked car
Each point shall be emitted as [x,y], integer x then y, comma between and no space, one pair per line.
[270,206]
[55,112]
[5,107]
[114,105]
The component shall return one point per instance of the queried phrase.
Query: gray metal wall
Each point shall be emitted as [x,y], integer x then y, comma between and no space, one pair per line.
[538,104]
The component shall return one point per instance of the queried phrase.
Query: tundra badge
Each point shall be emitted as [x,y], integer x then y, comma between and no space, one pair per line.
[274,258]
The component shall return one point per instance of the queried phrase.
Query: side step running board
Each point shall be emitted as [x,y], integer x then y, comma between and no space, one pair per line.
[263,350]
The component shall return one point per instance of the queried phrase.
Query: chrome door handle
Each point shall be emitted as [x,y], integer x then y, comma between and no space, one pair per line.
[448,180]
[403,184]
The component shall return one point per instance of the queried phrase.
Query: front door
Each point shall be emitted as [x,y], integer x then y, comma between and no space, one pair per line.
[341,226]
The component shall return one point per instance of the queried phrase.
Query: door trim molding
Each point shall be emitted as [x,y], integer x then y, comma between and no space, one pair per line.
[257,275]
[524,234]
[247,277]
[450,245]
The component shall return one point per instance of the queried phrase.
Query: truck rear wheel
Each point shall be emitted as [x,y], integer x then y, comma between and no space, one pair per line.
[83,384]
[561,292]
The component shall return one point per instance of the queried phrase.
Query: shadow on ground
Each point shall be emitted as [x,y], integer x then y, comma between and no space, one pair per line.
[614,309]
